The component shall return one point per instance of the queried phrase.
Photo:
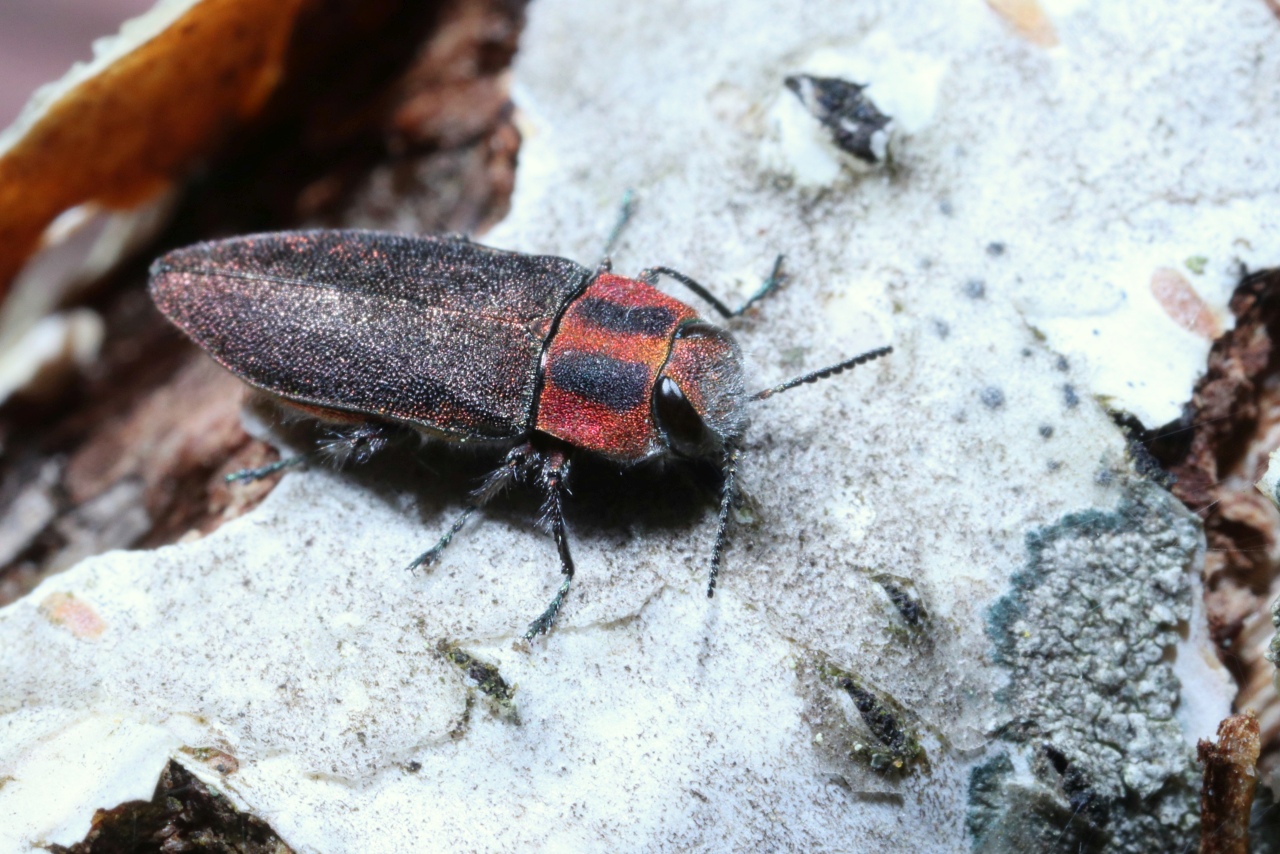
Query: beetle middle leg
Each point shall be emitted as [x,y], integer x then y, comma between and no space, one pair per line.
[776,278]
[555,471]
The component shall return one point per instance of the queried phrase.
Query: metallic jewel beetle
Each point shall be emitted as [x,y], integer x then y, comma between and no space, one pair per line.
[465,343]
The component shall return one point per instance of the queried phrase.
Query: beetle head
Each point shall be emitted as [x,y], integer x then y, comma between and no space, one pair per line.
[699,403]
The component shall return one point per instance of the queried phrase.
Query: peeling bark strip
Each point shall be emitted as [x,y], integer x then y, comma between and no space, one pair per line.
[1230,778]
[1217,451]
[124,133]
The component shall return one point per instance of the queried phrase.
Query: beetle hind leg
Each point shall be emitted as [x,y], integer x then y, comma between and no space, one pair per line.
[250,475]
[357,444]
[554,473]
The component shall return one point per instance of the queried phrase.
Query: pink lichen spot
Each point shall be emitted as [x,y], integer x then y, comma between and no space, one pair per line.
[1028,19]
[74,615]
[1181,302]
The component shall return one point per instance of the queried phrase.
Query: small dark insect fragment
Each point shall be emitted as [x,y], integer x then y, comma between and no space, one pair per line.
[856,124]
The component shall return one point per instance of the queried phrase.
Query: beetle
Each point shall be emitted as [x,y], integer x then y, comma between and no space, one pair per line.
[377,332]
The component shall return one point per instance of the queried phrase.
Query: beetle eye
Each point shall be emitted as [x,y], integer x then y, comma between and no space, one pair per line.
[677,419]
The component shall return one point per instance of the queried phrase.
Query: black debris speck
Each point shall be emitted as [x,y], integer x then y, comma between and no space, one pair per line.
[908,607]
[995,250]
[946,207]
[975,289]
[992,397]
[1054,465]
[1046,430]
[1070,397]
[1026,352]
[1063,365]
[855,124]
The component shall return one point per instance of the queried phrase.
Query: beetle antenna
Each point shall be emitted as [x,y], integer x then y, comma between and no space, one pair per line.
[727,490]
[824,373]
[624,217]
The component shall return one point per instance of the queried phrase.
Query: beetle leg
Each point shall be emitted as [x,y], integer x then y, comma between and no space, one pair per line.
[431,555]
[260,472]
[555,472]
[776,278]
[514,468]
[727,491]
[357,444]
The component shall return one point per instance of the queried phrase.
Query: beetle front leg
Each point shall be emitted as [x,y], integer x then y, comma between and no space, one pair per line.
[776,278]
[727,491]
[555,471]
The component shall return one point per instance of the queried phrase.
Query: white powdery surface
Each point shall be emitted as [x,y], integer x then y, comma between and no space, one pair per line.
[652,718]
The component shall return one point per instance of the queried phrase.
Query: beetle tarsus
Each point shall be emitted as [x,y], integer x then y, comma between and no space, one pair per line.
[727,492]
[554,473]
[431,555]
[771,284]
[250,475]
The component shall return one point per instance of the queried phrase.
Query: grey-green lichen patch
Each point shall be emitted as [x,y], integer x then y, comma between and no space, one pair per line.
[1012,812]
[1086,633]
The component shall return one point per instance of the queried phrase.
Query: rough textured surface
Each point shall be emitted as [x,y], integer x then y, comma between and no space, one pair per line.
[842,685]
[1086,634]
[183,815]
